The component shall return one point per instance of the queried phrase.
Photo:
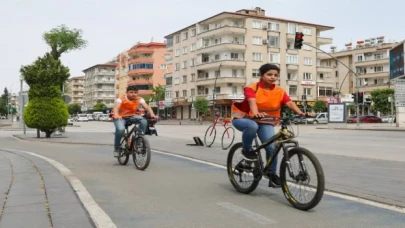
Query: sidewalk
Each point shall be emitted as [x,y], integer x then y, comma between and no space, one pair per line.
[363,127]
[35,194]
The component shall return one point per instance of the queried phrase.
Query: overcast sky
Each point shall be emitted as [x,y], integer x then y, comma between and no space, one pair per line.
[113,26]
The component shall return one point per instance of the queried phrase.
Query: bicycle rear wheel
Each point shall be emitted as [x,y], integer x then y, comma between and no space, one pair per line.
[242,169]
[210,131]
[141,152]
[228,136]
[302,177]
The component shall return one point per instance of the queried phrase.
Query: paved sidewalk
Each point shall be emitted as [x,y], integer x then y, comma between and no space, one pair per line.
[34,194]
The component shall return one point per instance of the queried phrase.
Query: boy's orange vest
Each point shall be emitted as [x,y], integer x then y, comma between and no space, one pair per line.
[128,108]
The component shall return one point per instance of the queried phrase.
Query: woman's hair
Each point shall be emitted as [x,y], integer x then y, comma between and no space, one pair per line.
[266,67]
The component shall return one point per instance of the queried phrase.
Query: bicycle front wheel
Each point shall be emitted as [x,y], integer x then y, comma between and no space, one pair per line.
[227,138]
[211,132]
[124,153]
[141,152]
[301,179]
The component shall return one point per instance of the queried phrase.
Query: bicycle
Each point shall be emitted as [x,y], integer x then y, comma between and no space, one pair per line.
[283,140]
[228,132]
[134,144]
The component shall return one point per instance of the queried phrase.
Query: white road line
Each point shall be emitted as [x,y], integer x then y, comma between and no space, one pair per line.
[99,217]
[249,214]
[334,194]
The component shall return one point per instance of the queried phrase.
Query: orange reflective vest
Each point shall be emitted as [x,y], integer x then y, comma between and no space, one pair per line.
[268,101]
[128,108]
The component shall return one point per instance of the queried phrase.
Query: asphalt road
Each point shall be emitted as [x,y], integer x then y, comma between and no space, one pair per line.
[175,192]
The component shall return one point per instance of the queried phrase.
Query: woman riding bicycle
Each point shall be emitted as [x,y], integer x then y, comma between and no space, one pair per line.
[261,99]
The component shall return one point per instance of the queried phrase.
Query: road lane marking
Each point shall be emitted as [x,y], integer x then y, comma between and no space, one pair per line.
[326,192]
[97,215]
[247,213]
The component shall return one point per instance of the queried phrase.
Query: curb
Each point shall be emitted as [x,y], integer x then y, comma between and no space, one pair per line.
[360,129]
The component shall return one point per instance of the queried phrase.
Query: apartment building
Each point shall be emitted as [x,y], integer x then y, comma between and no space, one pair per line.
[144,65]
[227,49]
[76,89]
[99,82]
[369,58]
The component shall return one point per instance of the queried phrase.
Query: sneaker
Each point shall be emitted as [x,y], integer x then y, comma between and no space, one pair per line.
[116,152]
[249,155]
[274,180]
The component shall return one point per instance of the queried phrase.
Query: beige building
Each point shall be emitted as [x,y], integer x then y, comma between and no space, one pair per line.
[76,89]
[99,86]
[231,46]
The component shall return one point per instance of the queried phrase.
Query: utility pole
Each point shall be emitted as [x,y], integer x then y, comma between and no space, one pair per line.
[213,94]
[23,104]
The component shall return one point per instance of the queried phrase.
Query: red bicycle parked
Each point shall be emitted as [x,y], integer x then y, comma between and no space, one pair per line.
[227,137]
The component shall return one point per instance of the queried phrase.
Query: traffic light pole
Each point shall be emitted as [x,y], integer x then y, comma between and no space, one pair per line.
[357,77]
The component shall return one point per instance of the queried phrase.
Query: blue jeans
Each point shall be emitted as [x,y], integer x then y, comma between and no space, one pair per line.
[120,128]
[249,129]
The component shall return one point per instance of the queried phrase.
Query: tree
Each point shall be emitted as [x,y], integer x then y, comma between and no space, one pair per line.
[380,99]
[159,92]
[62,40]
[201,105]
[319,106]
[351,108]
[99,107]
[46,110]
[74,108]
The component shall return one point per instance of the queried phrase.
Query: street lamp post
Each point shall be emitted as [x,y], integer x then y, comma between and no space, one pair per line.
[213,92]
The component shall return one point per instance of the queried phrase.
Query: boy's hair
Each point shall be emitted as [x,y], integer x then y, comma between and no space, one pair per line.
[266,67]
[132,88]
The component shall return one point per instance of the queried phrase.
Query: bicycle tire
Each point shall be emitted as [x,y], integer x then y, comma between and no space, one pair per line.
[319,173]
[147,152]
[205,137]
[223,135]
[229,169]
[123,156]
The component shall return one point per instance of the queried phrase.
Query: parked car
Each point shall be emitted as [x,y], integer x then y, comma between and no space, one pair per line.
[365,119]
[82,118]
[70,121]
[321,118]
[388,119]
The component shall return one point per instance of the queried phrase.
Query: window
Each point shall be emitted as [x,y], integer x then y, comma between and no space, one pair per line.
[185,36]
[234,89]
[292,28]
[306,47]
[257,56]
[177,52]
[193,32]
[192,62]
[184,93]
[235,56]
[307,91]
[177,66]
[163,66]
[184,79]
[177,38]
[184,50]
[307,61]
[325,91]
[274,41]
[293,90]
[307,76]
[256,24]
[292,76]
[255,73]
[257,40]
[292,59]
[307,31]
[273,26]
[192,92]
[234,72]
[184,64]
[274,57]
[378,68]
[140,66]
[193,47]
[169,81]
[359,57]
[192,78]
[378,56]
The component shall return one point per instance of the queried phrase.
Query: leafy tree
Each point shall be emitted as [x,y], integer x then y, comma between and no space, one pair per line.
[319,106]
[159,92]
[201,105]
[99,107]
[74,108]
[351,108]
[62,40]
[380,99]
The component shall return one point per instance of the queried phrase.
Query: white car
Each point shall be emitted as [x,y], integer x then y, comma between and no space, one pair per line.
[82,118]
[70,121]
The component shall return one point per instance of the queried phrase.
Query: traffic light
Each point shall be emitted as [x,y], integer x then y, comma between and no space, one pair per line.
[360,99]
[298,40]
[354,98]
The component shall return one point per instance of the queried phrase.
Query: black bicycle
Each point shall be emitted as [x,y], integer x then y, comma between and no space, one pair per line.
[255,170]
[135,144]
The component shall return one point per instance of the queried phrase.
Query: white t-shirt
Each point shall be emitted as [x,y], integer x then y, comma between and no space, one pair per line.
[141,101]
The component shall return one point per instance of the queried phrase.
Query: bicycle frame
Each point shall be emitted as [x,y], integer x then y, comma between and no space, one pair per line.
[128,134]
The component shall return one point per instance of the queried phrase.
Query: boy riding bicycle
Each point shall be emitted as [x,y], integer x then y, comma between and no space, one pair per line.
[125,109]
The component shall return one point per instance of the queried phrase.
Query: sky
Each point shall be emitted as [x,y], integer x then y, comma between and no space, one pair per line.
[112,26]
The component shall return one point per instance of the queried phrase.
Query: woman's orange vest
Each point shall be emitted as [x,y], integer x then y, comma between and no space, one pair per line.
[128,108]
[268,101]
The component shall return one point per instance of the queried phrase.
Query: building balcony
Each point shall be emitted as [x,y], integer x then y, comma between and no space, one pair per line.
[145,92]
[140,71]
[214,64]
[369,88]
[140,82]
[203,81]
[372,62]
[224,97]
[140,50]
[140,60]
[324,40]
[292,66]
[223,31]
[375,75]
[224,46]
[326,69]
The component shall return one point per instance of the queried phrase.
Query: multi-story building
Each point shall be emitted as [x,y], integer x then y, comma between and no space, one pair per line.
[99,82]
[369,59]
[227,50]
[76,89]
[143,65]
